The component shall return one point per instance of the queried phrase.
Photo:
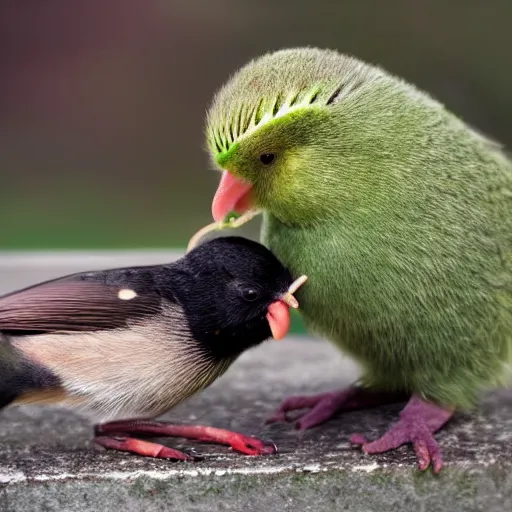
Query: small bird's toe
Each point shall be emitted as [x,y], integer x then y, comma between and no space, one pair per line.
[140,447]
[251,445]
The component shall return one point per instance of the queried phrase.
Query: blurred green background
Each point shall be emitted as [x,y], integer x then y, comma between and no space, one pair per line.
[102,101]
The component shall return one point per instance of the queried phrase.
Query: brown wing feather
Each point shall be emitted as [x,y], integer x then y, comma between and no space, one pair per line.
[68,305]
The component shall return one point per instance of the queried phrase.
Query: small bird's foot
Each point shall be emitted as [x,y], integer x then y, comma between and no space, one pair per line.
[238,442]
[419,420]
[139,447]
[326,405]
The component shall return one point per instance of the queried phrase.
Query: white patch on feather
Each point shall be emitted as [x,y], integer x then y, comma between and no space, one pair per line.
[126,294]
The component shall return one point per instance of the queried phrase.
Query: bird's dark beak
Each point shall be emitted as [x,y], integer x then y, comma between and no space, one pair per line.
[233,195]
[278,314]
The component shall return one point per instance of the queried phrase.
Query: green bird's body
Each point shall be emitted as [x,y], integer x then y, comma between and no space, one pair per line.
[399,213]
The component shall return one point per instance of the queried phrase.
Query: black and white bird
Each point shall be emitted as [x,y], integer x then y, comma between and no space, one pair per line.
[126,345]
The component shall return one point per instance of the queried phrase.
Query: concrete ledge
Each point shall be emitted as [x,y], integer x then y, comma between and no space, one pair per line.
[47,461]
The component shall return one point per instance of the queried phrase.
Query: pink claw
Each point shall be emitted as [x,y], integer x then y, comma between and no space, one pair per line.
[326,405]
[419,420]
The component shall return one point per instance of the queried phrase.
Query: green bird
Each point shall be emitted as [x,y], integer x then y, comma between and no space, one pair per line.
[401,216]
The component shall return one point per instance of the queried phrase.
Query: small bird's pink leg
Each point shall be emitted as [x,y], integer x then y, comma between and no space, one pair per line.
[138,447]
[243,444]
[326,405]
[419,420]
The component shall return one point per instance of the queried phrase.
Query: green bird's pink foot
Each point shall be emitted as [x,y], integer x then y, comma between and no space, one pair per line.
[419,420]
[325,406]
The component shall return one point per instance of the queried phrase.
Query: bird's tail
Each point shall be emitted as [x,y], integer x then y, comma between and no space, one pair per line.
[19,375]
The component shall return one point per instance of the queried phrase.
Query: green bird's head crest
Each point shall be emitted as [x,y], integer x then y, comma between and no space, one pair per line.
[289,123]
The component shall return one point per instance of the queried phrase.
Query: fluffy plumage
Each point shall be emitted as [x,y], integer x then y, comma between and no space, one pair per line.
[398,211]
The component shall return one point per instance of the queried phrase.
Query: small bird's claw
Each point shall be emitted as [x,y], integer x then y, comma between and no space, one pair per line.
[275,449]
[252,445]
[196,456]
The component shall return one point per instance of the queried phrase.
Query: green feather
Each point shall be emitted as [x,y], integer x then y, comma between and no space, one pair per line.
[399,213]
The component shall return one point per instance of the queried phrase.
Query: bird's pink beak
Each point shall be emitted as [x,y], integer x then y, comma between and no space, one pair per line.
[279,320]
[233,195]
[278,313]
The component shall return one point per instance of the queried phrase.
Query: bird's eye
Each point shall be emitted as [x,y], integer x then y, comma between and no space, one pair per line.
[250,294]
[267,158]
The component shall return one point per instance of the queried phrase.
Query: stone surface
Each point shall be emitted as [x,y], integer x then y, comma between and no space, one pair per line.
[47,460]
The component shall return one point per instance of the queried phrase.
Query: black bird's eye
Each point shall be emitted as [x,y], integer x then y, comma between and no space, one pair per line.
[267,158]
[250,294]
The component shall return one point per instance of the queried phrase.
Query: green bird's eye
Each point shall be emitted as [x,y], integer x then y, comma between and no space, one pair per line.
[267,158]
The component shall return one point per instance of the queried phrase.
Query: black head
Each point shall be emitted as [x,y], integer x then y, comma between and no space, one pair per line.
[225,288]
